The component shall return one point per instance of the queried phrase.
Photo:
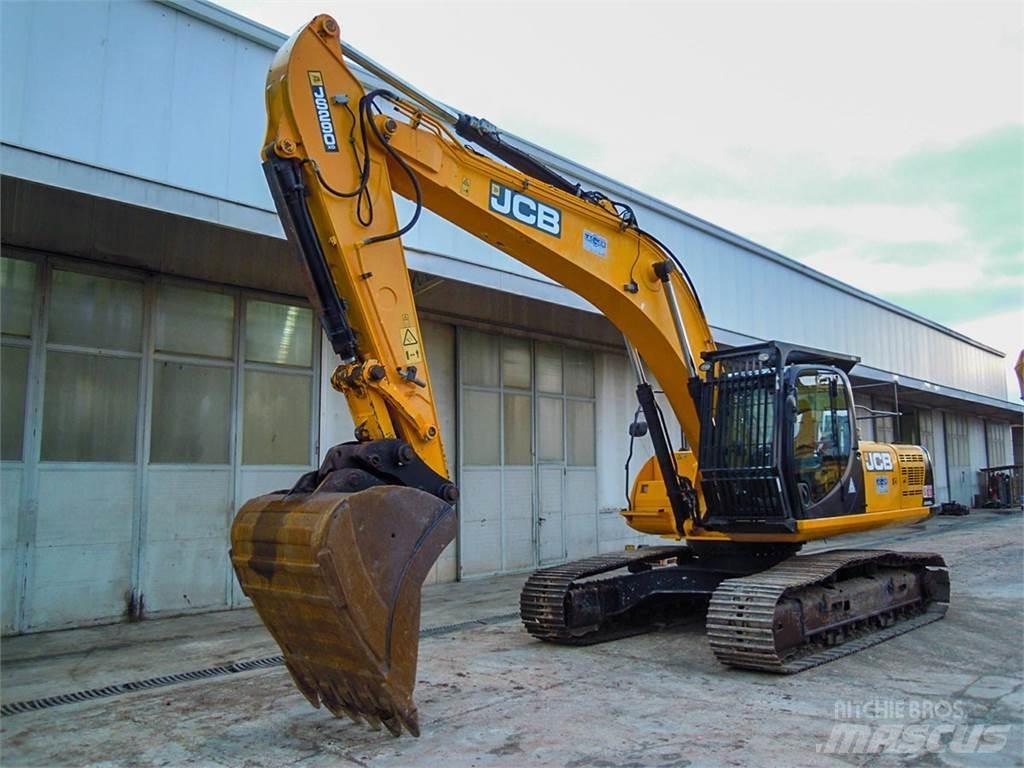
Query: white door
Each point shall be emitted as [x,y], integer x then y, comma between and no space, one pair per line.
[958,454]
[551,517]
[550,478]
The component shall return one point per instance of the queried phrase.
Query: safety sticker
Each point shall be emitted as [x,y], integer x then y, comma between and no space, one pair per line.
[411,346]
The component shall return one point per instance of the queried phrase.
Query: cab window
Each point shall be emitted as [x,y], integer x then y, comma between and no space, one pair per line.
[822,434]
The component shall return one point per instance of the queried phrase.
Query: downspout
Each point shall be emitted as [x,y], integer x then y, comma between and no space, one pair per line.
[945,446]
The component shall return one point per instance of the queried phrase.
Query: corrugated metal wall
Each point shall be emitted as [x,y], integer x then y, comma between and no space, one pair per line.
[159,94]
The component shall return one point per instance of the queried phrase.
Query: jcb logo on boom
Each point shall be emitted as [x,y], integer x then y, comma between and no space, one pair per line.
[323,111]
[525,209]
[878,461]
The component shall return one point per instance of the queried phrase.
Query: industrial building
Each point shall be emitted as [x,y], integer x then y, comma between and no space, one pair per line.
[161,366]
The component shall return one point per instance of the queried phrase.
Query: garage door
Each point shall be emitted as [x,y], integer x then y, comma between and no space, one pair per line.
[958,456]
[138,413]
[527,453]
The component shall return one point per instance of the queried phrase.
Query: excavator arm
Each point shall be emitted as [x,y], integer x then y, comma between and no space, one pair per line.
[334,564]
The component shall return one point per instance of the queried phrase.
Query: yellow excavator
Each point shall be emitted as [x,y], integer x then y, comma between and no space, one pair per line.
[334,565]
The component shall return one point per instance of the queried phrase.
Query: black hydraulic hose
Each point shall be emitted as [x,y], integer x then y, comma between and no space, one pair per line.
[486,135]
[365,106]
[632,440]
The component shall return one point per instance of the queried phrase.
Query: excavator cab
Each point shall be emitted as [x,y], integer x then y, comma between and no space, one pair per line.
[776,438]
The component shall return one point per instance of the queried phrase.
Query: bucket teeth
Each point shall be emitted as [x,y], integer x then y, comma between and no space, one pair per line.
[336,578]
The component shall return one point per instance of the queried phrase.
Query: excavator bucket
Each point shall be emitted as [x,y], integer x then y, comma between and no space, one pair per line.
[336,578]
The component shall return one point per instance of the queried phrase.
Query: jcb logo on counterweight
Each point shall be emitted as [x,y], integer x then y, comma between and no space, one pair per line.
[323,111]
[878,461]
[525,209]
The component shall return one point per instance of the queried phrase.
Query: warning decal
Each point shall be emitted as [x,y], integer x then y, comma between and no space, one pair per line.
[411,346]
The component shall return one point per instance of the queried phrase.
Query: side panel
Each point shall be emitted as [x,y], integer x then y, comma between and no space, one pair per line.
[479,523]
[10,502]
[880,465]
[517,514]
[83,557]
[580,502]
[187,523]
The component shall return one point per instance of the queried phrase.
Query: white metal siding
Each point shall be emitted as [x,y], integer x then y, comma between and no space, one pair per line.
[162,95]
[480,502]
[517,519]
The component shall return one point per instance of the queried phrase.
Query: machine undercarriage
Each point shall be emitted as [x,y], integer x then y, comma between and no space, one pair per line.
[765,610]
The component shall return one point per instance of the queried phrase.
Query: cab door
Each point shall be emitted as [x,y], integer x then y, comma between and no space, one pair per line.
[821,444]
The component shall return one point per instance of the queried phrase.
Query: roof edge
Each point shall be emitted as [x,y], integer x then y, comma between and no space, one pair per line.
[271,38]
[229,21]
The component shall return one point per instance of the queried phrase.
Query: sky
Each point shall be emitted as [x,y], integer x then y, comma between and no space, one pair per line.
[881,143]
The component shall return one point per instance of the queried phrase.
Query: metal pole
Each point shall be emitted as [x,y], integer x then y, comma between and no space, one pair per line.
[664,272]
[439,111]
[896,400]
[634,358]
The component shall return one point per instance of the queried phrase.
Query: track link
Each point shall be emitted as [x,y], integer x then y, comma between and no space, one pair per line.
[543,604]
[741,615]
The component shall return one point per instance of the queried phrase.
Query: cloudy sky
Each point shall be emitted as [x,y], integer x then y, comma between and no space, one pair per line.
[881,143]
